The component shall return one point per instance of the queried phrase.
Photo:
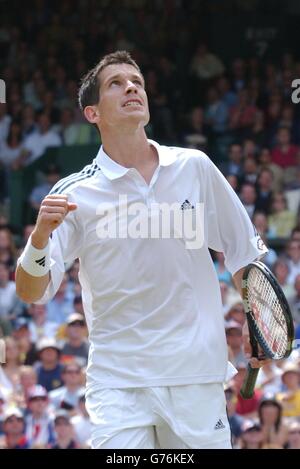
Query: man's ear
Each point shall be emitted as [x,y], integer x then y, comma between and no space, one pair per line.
[91,113]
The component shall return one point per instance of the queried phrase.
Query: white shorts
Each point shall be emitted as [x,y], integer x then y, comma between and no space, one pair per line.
[176,417]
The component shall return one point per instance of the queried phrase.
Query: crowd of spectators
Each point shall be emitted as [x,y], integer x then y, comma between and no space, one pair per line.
[240,113]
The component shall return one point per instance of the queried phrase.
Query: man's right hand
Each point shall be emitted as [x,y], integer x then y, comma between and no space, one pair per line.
[53,210]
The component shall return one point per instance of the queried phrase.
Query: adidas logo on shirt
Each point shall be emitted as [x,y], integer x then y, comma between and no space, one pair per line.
[219,425]
[186,205]
[41,261]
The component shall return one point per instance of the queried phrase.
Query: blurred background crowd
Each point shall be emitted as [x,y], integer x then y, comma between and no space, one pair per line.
[237,109]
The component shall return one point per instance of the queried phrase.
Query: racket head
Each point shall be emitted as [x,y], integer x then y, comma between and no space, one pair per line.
[268,314]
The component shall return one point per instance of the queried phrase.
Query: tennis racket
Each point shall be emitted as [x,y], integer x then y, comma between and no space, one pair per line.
[269,319]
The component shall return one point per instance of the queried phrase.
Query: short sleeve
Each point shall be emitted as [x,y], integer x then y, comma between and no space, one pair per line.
[229,227]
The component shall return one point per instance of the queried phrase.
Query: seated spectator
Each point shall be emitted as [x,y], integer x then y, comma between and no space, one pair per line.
[281,221]
[10,371]
[293,435]
[257,132]
[251,436]
[281,272]
[294,301]
[28,121]
[37,143]
[13,429]
[49,107]
[7,247]
[82,424]
[64,430]
[27,351]
[71,132]
[284,153]
[250,171]
[260,221]
[289,120]
[242,114]
[67,396]
[11,149]
[39,326]
[28,379]
[291,177]
[249,149]
[265,161]
[216,113]
[195,133]
[293,259]
[274,431]
[236,312]
[76,344]
[264,190]
[234,164]
[234,340]
[290,399]
[49,369]
[227,96]
[238,72]
[39,427]
[248,198]
[52,176]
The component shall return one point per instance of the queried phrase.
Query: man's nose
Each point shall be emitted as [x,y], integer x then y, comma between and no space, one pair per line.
[131,87]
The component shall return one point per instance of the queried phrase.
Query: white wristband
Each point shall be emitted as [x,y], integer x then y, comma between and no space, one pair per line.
[35,262]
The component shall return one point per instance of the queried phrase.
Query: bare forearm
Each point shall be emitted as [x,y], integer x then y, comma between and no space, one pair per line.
[29,288]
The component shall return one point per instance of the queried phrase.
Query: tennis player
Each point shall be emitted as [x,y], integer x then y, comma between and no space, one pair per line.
[158,354]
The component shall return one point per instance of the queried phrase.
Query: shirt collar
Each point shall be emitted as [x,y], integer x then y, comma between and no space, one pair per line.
[113,170]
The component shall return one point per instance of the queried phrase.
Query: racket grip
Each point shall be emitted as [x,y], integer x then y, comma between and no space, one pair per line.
[248,386]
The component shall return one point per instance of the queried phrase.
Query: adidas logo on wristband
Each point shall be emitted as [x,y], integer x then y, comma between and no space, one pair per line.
[41,261]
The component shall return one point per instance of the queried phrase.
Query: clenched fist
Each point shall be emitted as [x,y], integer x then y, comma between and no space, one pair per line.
[53,210]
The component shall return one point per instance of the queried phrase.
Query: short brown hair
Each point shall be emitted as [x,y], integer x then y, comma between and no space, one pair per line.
[88,94]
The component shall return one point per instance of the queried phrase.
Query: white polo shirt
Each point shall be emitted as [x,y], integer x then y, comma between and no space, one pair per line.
[153,307]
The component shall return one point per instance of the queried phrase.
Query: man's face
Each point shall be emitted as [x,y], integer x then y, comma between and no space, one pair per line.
[13,425]
[123,99]
[38,405]
[248,195]
[236,153]
[76,330]
[72,375]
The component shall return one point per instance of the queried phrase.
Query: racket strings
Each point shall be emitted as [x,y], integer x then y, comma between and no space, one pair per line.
[267,313]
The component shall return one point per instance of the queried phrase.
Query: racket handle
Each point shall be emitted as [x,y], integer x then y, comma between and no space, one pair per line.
[247,389]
